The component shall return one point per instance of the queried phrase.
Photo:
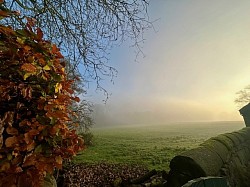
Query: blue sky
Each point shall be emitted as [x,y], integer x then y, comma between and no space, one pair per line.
[194,63]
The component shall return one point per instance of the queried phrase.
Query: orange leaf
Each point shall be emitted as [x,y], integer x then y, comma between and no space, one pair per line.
[10,141]
[4,13]
[31,146]
[12,131]
[27,48]
[28,67]
[27,138]
[29,160]
[24,123]
[33,132]
[58,159]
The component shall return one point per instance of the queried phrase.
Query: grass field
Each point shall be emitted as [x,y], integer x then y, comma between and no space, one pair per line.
[151,146]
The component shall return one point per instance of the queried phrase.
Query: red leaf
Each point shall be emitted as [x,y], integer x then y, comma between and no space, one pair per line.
[39,34]
[54,49]
[77,99]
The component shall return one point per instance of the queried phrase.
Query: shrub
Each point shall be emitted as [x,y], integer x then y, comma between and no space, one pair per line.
[34,112]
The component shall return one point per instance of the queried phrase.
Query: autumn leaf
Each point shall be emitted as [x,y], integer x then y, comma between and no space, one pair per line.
[8,118]
[77,99]
[39,34]
[17,160]
[31,21]
[26,75]
[18,170]
[24,123]
[47,68]
[27,138]
[4,166]
[27,48]
[31,145]
[33,132]
[20,40]
[12,131]
[27,92]
[54,49]
[28,67]
[58,87]
[4,13]
[29,160]
[10,141]
[58,159]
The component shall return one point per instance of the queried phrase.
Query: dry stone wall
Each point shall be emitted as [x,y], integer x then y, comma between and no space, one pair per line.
[226,155]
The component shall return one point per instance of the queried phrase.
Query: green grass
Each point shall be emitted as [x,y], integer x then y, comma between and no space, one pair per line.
[151,146]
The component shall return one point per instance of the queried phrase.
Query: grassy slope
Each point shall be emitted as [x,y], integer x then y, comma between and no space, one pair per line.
[152,146]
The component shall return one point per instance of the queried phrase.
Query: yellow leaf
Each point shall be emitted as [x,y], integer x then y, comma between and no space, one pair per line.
[26,75]
[58,87]
[45,78]
[47,68]
[20,40]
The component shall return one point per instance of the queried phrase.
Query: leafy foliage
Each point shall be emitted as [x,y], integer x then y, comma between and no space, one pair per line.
[34,113]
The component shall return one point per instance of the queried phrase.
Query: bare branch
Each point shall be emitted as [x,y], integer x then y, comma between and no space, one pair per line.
[86,30]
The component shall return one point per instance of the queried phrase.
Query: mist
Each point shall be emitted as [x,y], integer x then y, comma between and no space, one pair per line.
[195,61]
[157,114]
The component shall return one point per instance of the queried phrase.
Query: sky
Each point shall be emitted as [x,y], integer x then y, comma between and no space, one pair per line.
[195,61]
